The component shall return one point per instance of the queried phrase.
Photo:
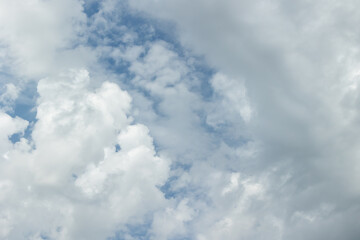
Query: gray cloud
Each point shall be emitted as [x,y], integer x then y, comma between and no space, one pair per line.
[299,66]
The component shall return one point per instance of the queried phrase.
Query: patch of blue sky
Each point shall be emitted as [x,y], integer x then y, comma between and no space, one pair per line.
[45,237]
[24,107]
[203,72]
[117,148]
[16,137]
[26,97]
[179,193]
[151,30]
[91,7]
[167,189]
[148,29]
[25,104]
[196,193]
[126,20]
[189,191]
[135,231]
[117,66]
[180,165]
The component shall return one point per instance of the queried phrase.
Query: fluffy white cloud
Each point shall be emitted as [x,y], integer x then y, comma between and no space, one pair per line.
[41,37]
[69,181]
[9,126]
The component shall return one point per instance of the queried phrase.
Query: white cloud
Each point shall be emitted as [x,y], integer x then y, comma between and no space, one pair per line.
[232,93]
[172,222]
[8,97]
[160,70]
[40,37]
[9,126]
[70,179]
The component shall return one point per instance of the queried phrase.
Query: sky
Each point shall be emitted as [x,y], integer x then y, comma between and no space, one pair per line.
[179,120]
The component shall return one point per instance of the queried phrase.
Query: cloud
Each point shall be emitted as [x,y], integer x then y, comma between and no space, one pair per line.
[7,99]
[297,64]
[69,178]
[171,223]
[179,119]
[10,126]
[41,37]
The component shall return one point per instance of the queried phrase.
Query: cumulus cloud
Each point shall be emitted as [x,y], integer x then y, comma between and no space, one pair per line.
[9,127]
[69,181]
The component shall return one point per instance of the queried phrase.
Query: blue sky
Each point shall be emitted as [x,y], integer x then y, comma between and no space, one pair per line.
[175,120]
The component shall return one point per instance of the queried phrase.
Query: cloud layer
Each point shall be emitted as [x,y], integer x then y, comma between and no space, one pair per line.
[179,120]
